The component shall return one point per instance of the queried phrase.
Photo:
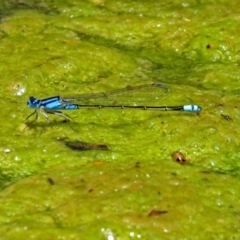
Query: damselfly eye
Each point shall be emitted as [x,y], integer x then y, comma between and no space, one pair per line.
[32,100]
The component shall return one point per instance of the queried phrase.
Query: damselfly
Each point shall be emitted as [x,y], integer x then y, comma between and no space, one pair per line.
[145,97]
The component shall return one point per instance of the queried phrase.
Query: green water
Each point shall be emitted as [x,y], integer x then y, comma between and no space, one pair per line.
[49,191]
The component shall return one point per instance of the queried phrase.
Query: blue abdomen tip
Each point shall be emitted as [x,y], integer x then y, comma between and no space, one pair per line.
[192,108]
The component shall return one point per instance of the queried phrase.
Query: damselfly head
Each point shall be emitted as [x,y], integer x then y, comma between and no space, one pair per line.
[32,102]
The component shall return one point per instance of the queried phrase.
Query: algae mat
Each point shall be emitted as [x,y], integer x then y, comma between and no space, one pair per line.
[135,189]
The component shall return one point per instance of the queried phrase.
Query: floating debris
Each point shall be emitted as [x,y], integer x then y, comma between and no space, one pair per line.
[137,164]
[84,146]
[179,157]
[51,181]
[7,150]
[226,117]
[157,212]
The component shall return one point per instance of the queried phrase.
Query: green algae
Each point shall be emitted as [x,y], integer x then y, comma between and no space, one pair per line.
[70,47]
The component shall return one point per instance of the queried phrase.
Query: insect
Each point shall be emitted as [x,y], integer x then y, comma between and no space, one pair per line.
[146,97]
